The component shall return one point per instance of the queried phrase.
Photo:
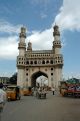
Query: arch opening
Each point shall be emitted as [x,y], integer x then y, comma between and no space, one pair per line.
[35,76]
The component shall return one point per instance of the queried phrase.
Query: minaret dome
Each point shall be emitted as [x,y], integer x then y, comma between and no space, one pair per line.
[23,32]
[56,30]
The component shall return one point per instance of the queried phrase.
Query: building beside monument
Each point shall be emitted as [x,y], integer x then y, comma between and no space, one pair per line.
[4,80]
[34,63]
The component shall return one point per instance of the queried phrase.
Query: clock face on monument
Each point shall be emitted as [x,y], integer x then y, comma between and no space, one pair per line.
[39,62]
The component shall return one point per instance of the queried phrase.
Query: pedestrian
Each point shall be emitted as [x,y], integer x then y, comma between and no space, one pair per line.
[2,99]
[53,90]
[17,92]
[32,89]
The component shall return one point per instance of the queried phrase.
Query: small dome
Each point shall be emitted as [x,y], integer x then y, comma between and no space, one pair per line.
[56,27]
[29,43]
[29,46]
[56,30]
[23,30]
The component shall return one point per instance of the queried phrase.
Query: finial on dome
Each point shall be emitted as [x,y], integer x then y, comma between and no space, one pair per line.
[23,32]
[56,30]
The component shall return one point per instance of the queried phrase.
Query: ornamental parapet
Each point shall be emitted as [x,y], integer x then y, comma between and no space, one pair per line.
[21,61]
[58,59]
[56,33]
[39,54]
[22,35]
[57,44]
[40,62]
[21,45]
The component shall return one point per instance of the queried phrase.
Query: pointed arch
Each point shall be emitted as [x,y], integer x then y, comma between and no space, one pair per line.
[35,76]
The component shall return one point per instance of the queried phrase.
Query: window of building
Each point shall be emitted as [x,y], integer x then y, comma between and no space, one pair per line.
[35,62]
[51,68]
[51,74]
[51,62]
[43,62]
[27,62]
[26,74]
[47,62]
[31,62]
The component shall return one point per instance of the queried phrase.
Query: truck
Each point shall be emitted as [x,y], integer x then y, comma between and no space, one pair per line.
[67,89]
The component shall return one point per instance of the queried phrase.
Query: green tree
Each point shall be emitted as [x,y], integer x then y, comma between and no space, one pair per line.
[13,79]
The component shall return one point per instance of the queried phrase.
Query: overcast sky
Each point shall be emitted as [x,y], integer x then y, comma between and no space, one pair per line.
[39,17]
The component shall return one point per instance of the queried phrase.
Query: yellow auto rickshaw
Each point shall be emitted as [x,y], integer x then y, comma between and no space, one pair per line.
[13,92]
[27,91]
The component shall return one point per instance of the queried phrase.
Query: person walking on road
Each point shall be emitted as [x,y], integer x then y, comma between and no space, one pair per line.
[2,99]
[53,90]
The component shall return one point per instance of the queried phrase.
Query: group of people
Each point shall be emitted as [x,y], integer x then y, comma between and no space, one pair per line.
[3,95]
[40,89]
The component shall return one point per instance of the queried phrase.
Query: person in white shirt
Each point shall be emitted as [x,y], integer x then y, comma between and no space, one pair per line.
[53,90]
[2,98]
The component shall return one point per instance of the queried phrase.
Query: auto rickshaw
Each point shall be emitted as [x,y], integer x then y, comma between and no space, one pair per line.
[13,92]
[27,91]
[41,94]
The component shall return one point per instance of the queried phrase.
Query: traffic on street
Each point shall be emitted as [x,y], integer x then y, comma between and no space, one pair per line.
[52,108]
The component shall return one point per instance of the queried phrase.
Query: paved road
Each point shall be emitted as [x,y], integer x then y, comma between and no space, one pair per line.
[54,108]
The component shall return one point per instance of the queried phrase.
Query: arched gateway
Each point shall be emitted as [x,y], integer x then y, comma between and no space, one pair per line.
[34,63]
[35,76]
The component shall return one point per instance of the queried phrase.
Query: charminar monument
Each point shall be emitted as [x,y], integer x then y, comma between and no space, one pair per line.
[32,64]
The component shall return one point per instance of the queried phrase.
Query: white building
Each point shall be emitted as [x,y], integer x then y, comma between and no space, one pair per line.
[31,63]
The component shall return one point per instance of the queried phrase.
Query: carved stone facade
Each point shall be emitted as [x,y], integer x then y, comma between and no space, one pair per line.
[33,63]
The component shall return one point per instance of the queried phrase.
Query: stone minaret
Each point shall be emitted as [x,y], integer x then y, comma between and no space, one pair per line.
[58,58]
[29,48]
[21,58]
